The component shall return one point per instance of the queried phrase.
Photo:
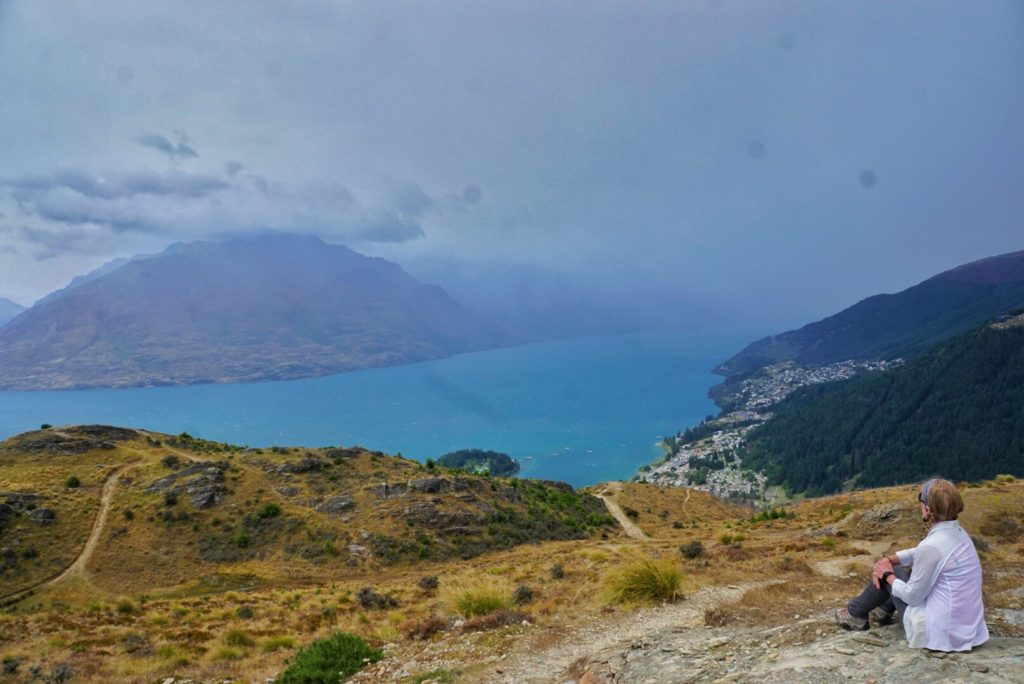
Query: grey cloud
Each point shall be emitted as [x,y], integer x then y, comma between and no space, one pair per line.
[410,199]
[180,150]
[52,242]
[124,186]
[389,227]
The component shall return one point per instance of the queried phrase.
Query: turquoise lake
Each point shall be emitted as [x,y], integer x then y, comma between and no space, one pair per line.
[580,410]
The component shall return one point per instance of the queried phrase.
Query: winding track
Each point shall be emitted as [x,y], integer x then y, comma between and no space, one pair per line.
[628,526]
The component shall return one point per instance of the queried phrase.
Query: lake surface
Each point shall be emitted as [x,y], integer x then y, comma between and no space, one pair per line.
[581,411]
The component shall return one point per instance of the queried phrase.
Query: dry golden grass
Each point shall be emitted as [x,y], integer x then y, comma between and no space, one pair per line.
[189,615]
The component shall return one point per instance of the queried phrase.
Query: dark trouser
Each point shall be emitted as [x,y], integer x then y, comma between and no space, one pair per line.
[872,598]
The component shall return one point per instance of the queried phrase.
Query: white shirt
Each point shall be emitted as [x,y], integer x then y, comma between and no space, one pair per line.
[945,612]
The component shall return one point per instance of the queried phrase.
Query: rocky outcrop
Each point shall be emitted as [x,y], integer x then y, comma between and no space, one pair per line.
[202,482]
[336,505]
[47,442]
[308,464]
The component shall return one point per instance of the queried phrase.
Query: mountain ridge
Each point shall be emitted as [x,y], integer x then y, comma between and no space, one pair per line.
[267,308]
[887,326]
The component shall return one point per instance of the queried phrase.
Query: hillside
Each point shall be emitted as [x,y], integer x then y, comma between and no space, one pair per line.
[210,508]
[169,594]
[886,326]
[956,410]
[9,310]
[275,307]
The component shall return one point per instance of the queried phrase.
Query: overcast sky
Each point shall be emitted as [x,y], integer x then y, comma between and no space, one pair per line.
[783,159]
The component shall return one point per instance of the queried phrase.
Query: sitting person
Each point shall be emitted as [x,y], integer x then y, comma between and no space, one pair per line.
[939,598]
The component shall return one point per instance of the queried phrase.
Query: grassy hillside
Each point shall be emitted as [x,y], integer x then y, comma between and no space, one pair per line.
[956,410]
[169,593]
[185,508]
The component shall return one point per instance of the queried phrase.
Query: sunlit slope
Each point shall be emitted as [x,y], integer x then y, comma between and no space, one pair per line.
[184,508]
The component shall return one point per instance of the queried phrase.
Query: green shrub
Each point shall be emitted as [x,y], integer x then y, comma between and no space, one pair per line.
[271,510]
[557,571]
[644,580]
[242,540]
[125,607]
[45,426]
[72,482]
[481,599]
[327,660]
[691,550]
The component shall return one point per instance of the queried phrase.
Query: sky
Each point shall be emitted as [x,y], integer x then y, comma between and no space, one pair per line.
[780,160]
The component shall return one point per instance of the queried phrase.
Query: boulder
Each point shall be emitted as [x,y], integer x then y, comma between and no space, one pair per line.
[44,516]
[432,485]
[337,505]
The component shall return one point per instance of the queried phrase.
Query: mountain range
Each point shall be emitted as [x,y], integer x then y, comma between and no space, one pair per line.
[9,310]
[887,326]
[266,308]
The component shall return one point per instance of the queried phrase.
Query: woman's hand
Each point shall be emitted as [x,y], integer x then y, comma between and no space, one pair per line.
[881,567]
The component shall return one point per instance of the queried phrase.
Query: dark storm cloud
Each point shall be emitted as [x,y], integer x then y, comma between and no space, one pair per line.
[181,150]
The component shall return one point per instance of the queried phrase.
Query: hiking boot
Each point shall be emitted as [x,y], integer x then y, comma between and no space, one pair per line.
[882,617]
[848,622]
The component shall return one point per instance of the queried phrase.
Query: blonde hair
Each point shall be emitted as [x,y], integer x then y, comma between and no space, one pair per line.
[943,499]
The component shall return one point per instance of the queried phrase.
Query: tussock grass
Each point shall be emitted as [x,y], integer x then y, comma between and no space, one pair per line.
[644,580]
[481,598]
[277,643]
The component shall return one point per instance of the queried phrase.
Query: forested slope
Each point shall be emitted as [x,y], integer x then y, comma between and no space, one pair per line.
[955,410]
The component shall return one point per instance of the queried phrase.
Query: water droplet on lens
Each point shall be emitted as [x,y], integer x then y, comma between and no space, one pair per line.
[756,149]
[868,178]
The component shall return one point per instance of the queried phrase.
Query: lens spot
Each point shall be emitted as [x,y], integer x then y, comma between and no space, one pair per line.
[756,149]
[868,178]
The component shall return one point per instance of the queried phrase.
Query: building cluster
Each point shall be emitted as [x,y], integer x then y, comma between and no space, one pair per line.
[713,462]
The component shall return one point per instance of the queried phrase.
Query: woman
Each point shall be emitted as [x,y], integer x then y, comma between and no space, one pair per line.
[940,600]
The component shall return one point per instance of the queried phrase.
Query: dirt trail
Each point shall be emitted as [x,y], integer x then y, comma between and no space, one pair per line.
[628,526]
[77,566]
[534,665]
[106,498]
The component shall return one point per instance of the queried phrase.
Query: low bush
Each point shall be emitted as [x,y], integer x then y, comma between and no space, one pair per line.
[72,482]
[270,510]
[238,637]
[557,571]
[327,660]
[522,594]
[691,550]
[493,620]
[428,582]
[644,580]
[423,629]
[370,599]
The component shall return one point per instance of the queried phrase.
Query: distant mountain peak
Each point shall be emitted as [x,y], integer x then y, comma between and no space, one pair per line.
[260,308]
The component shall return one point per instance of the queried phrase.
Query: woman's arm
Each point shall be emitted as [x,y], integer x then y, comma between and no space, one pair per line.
[927,566]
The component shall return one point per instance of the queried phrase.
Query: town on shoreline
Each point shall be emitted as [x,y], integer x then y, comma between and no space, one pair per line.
[709,456]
